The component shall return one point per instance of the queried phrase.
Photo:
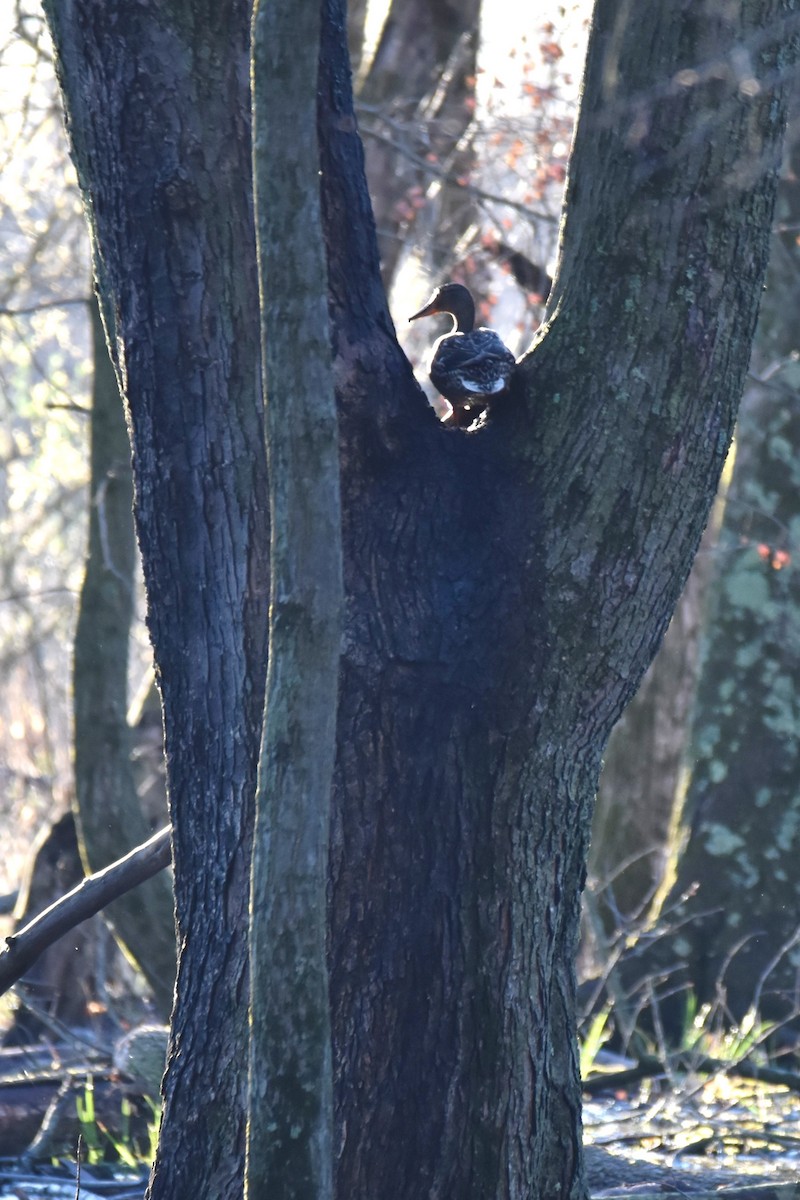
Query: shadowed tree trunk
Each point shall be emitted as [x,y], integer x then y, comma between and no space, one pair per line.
[505,590]
[158,112]
[110,818]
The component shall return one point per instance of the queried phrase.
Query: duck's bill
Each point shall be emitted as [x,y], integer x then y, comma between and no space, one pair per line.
[428,311]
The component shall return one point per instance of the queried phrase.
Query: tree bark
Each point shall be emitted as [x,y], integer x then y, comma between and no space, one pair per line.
[110,820]
[158,115]
[505,590]
[290,1106]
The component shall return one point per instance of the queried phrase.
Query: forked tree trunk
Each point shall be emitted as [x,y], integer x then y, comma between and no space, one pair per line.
[505,590]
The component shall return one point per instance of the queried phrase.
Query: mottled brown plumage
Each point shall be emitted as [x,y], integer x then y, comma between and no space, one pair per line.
[468,366]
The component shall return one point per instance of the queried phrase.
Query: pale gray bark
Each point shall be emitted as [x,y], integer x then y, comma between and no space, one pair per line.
[290,1109]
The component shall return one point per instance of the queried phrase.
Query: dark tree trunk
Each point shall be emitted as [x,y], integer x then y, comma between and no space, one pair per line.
[109,817]
[158,113]
[505,590]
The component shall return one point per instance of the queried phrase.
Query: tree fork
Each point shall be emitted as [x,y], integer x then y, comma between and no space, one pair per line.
[506,591]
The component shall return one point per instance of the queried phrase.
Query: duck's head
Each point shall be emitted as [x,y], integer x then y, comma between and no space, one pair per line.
[451,298]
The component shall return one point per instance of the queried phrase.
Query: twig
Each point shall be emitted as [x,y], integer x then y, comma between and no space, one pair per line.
[88,898]
[78,1154]
[28,309]
[770,1191]
[447,177]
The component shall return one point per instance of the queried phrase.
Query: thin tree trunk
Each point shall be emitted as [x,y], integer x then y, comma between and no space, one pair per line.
[290,1111]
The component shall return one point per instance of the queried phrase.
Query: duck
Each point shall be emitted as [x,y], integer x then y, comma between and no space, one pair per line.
[468,366]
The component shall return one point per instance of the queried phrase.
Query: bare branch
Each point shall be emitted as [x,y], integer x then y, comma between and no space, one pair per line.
[28,309]
[447,177]
[88,898]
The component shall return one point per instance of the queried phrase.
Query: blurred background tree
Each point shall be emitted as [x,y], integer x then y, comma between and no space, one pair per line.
[720,839]
[44,375]
[64,428]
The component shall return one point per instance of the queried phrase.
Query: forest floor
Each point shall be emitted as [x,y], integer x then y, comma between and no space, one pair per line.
[694,1134]
[677,1133]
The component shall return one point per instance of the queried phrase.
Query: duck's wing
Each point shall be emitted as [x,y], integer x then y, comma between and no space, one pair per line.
[471,364]
[469,349]
[491,345]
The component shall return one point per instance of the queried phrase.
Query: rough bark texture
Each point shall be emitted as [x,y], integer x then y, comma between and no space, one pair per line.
[505,593]
[158,114]
[737,863]
[505,590]
[290,1108]
[109,817]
